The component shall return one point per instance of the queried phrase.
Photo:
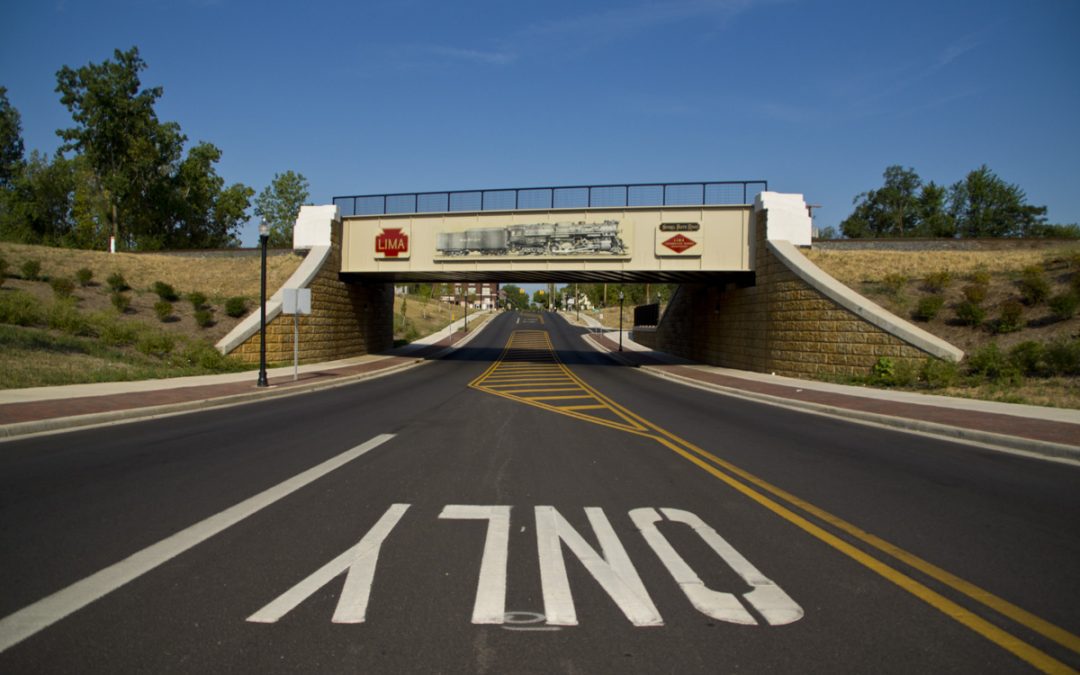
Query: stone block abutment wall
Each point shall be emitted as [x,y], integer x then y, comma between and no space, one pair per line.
[347,319]
[795,320]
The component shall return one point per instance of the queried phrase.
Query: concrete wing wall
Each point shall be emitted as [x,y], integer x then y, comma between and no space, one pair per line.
[346,319]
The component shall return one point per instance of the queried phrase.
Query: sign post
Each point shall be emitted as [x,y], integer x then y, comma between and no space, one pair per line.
[296,301]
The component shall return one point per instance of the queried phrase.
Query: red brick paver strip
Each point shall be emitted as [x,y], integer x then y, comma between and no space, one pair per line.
[1010,425]
[11,413]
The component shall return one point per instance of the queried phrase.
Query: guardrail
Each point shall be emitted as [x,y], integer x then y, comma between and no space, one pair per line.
[564,197]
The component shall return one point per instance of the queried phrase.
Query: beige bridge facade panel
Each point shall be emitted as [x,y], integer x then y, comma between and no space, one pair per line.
[699,239]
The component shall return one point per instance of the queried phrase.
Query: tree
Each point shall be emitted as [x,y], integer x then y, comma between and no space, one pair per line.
[516,296]
[889,210]
[279,204]
[984,205]
[206,214]
[11,142]
[37,204]
[131,178]
[933,218]
[118,132]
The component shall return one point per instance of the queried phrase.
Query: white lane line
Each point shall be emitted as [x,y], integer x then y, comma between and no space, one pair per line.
[490,605]
[29,620]
[360,560]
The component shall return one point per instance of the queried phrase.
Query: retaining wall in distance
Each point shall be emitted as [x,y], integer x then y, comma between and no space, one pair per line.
[795,320]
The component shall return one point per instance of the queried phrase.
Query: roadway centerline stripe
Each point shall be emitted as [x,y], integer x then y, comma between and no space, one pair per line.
[958,613]
[639,426]
[984,597]
[24,623]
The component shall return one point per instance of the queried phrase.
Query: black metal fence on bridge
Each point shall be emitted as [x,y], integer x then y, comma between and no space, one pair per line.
[565,197]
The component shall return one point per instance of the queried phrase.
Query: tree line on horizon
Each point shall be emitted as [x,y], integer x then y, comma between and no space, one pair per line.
[980,205]
[121,172]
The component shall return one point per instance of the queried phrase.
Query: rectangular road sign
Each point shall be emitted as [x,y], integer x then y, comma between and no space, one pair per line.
[296,301]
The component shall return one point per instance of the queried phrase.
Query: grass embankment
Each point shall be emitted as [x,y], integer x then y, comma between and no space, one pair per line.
[54,329]
[1014,313]
[423,316]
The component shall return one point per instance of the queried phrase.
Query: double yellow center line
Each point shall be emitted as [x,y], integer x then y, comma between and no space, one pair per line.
[529,371]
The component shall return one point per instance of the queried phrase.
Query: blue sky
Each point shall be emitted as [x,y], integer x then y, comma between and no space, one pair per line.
[816,97]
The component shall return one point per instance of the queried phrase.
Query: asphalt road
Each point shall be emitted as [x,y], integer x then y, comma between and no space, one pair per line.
[527,505]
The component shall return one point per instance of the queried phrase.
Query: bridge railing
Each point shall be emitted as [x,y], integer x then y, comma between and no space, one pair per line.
[564,197]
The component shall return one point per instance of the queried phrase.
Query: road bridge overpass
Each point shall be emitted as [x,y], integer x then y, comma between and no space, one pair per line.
[748,298]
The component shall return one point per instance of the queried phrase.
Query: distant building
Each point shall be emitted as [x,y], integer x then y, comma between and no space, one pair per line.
[484,295]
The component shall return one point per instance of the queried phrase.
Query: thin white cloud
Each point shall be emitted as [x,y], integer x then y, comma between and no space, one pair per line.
[571,36]
[590,29]
[498,58]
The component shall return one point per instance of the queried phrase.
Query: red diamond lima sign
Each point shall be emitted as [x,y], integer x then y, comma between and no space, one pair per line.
[392,242]
[680,243]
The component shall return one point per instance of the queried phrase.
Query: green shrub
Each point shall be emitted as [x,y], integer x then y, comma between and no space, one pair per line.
[163,309]
[980,277]
[31,269]
[1029,358]
[894,283]
[970,314]
[20,309]
[116,282]
[236,307]
[63,316]
[1063,357]
[120,301]
[115,332]
[936,282]
[1034,286]
[155,344]
[883,372]
[975,293]
[1064,305]
[939,373]
[3,270]
[62,287]
[197,300]
[204,318]
[991,364]
[1011,318]
[928,307]
[206,356]
[165,291]
[83,276]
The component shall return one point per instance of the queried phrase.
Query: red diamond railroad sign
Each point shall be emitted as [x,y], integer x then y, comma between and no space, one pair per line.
[679,243]
[392,242]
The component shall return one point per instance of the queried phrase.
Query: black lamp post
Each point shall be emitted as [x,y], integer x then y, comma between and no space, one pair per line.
[264,235]
[620,318]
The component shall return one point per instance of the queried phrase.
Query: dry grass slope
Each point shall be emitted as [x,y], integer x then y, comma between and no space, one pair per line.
[217,277]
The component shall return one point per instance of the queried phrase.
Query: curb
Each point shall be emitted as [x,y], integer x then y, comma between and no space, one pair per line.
[19,430]
[986,439]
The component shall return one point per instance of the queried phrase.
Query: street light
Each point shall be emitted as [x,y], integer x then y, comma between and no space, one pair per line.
[264,235]
[620,318]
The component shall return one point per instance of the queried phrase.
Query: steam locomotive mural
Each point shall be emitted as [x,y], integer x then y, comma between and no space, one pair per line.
[537,239]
